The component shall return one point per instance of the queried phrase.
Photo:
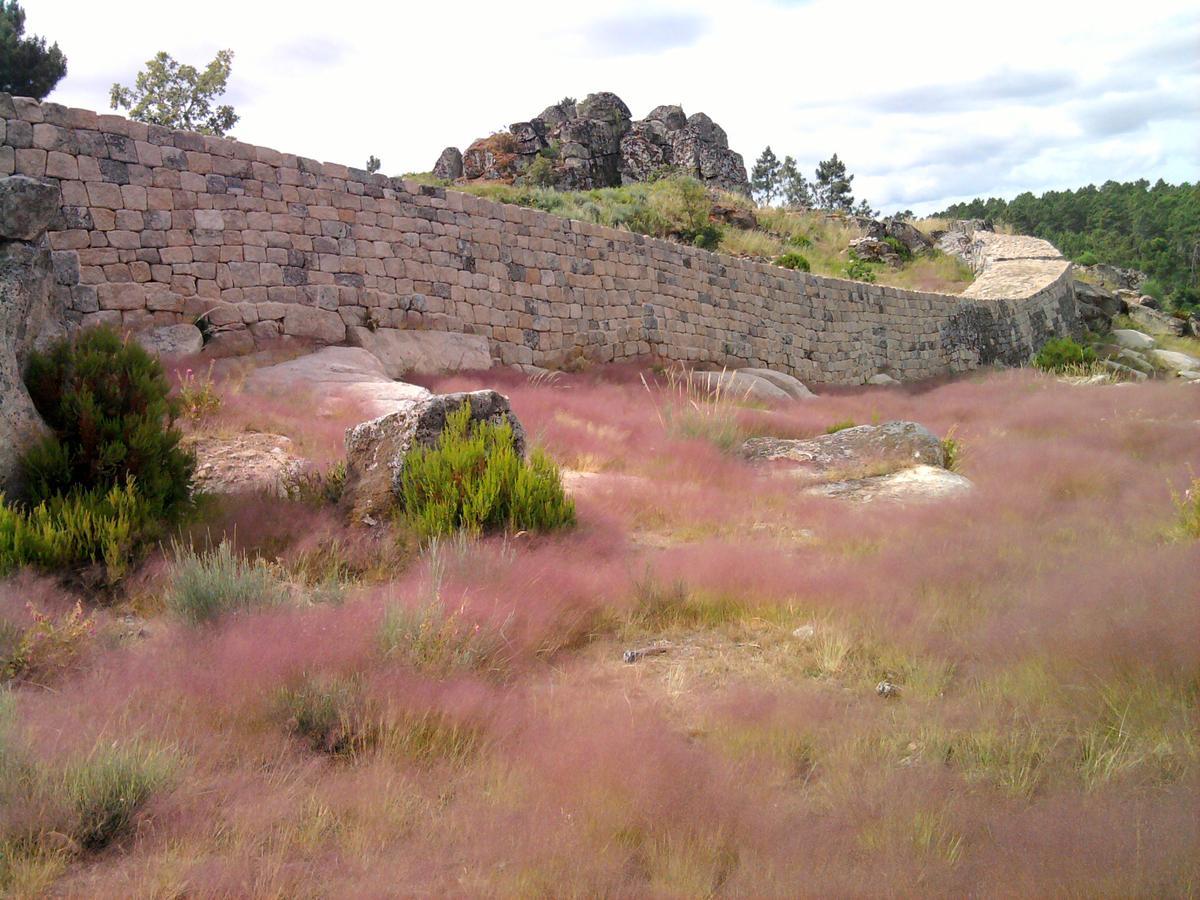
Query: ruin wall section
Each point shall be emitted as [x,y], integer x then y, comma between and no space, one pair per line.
[161,226]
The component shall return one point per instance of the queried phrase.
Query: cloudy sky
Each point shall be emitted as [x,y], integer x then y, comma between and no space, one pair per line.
[927,102]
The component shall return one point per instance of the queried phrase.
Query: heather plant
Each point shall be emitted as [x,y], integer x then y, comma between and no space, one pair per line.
[208,584]
[102,527]
[474,480]
[107,404]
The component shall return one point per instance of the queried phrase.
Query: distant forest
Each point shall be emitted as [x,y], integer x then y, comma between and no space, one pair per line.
[1154,228]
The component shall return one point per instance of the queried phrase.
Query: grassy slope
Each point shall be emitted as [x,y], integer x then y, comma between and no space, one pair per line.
[657,209]
[461,722]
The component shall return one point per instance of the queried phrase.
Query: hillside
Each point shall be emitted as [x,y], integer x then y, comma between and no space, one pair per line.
[1154,228]
[684,210]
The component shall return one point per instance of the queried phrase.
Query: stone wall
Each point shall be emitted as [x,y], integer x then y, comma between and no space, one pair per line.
[162,226]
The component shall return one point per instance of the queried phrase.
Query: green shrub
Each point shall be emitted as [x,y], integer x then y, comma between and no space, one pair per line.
[707,237]
[793,261]
[1087,258]
[800,240]
[108,788]
[1060,354]
[952,450]
[48,646]
[97,526]
[901,249]
[860,270]
[106,402]
[430,638]
[205,585]
[541,172]
[1188,508]
[474,480]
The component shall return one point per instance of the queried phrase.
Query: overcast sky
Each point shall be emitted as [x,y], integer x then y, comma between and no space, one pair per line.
[927,102]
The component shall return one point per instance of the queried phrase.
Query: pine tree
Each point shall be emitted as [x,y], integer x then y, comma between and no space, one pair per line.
[832,187]
[797,192]
[373,164]
[179,96]
[765,177]
[27,67]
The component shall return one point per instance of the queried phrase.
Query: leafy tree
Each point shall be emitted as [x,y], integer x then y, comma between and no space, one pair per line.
[832,188]
[27,67]
[765,177]
[373,164]
[797,192]
[179,96]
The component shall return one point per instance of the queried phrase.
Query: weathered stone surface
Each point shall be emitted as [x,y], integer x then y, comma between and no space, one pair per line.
[874,250]
[172,340]
[318,324]
[334,376]
[1102,299]
[599,145]
[898,443]
[375,450]
[882,379]
[908,235]
[449,164]
[790,385]
[919,484]
[423,352]
[1132,340]
[739,386]
[1175,361]
[253,462]
[27,208]
[28,316]
[1154,321]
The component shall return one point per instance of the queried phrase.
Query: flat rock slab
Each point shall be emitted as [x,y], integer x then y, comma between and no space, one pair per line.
[1154,321]
[243,463]
[916,485]
[790,385]
[898,443]
[1175,361]
[339,374]
[739,386]
[375,450]
[405,352]
[172,340]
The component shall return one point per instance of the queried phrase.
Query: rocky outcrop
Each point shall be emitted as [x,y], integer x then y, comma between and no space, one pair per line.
[597,143]
[900,444]
[1097,306]
[754,385]
[184,339]
[248,463]
[375,450]
[27,313]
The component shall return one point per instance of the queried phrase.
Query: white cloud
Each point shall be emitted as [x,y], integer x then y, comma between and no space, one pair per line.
[926,103]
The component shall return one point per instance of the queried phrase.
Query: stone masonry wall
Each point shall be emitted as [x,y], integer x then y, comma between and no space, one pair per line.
[161,226]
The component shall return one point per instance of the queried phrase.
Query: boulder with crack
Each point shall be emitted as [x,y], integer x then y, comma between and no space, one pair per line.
[892,443]
[375,450]
[29,314]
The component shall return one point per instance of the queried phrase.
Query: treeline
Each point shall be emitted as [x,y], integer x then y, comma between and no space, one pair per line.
[1154,228]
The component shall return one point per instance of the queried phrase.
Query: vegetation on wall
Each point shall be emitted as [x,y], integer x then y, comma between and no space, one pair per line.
[1154,228]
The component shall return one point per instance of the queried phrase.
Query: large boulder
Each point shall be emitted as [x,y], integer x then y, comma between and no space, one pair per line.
[405,352]
[899,444]
[739,386]
[375,450]
[1132,340]
[247,463]
[335,376]
[918,484]
[449,165]
[1154,321]
[1174,361]
[1103,299]
[790,385]
[28,313]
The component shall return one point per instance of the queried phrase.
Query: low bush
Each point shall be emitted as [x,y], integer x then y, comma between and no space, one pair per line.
[107,403]
[430,638]
[1087,258]
[473,480]
[1187,507]
[198,397]
[92,527]
[50,645]
[109,788]
[901,249]
[860,270]
[952,450]
[1060,354]
[840,425]
[206,585]
[793,261]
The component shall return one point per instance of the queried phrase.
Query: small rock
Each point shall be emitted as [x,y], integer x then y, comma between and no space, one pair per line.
[887,690]
[882,378]
[172,340]
[805,633]
[449,165]
[632,656]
